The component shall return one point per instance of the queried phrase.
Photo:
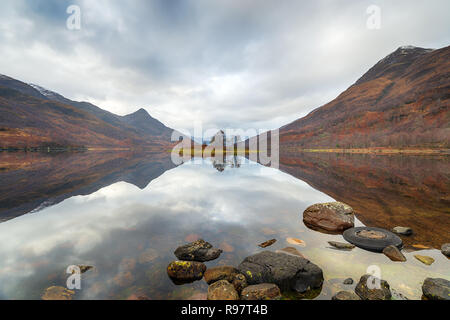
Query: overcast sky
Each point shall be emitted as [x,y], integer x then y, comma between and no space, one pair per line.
[231,64]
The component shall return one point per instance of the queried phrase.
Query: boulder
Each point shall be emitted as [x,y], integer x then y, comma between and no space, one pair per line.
[341,245]
[345,295]
[333,217]
[404,231]
[445,249]
[263,291]
[185,271]
[239,282]
[362,289]
[222,290]
[220,273]
[288,272]
[393,253]
[424,259]
[199,250]
[436,289]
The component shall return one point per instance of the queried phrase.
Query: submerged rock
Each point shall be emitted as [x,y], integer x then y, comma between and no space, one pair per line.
[382,292]
[445,249]
[220,273]
[345,295]
[436,289]
[222,290]
[186,271]
[348,281]
[405,231]
[199,250]
[424,259]
[57,293]
[393,253]
[333,216]
[288,272]
[292,251]
[263,291]
[341,245]
[267,243]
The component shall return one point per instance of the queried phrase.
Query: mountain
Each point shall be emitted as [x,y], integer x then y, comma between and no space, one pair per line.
[33,117]
[403,101]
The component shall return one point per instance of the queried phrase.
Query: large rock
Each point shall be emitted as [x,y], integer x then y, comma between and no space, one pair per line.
[186,271]
[345,295]
[365,293]
[199,250]
[220,273]
[239,282]
[436,289]
[222,290]
[393,253]
[288,272]
[333,216]
[445,249]
[263,291]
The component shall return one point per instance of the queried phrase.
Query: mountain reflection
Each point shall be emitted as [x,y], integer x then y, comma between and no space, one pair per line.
[385,191]
[30,182]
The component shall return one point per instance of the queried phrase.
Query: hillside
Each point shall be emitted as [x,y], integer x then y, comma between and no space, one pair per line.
[33,117]
[403,101]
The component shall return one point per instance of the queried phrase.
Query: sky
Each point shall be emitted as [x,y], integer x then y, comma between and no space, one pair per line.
[247,64]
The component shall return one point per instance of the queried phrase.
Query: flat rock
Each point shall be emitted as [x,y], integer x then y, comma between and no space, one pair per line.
[436,289]
[220,273]
[362,289]
[345,295]
[341,245]
[405,231]
[57,293]
[333,216]
[393,253]
[445,249]
[222,290]
[263,291]
[424,259]
[288,272]
[185,271]
[199,250]
[267,243]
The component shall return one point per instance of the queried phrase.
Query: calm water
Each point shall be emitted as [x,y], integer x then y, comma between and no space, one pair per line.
[125,214]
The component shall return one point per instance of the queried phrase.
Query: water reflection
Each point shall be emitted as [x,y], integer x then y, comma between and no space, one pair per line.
[126,215]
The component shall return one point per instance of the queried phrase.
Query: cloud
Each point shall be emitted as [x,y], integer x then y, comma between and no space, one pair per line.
[239,64]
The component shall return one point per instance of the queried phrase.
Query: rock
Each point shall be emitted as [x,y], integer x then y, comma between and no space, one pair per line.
[296,241]
[222,290]
[199,250]
[124,279]
[345,295]
[405,231]
[148,255]
[393,253]
[420,247]
[436,289]
[381,293]
[220,273]
[84,269]
[288,272]
[239,282]
[445,249]
[267,243]
[263,291]
[186,271]
[292,251]
[424,259]
[333,216]
[348,281]
[57,293]
[341,245]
